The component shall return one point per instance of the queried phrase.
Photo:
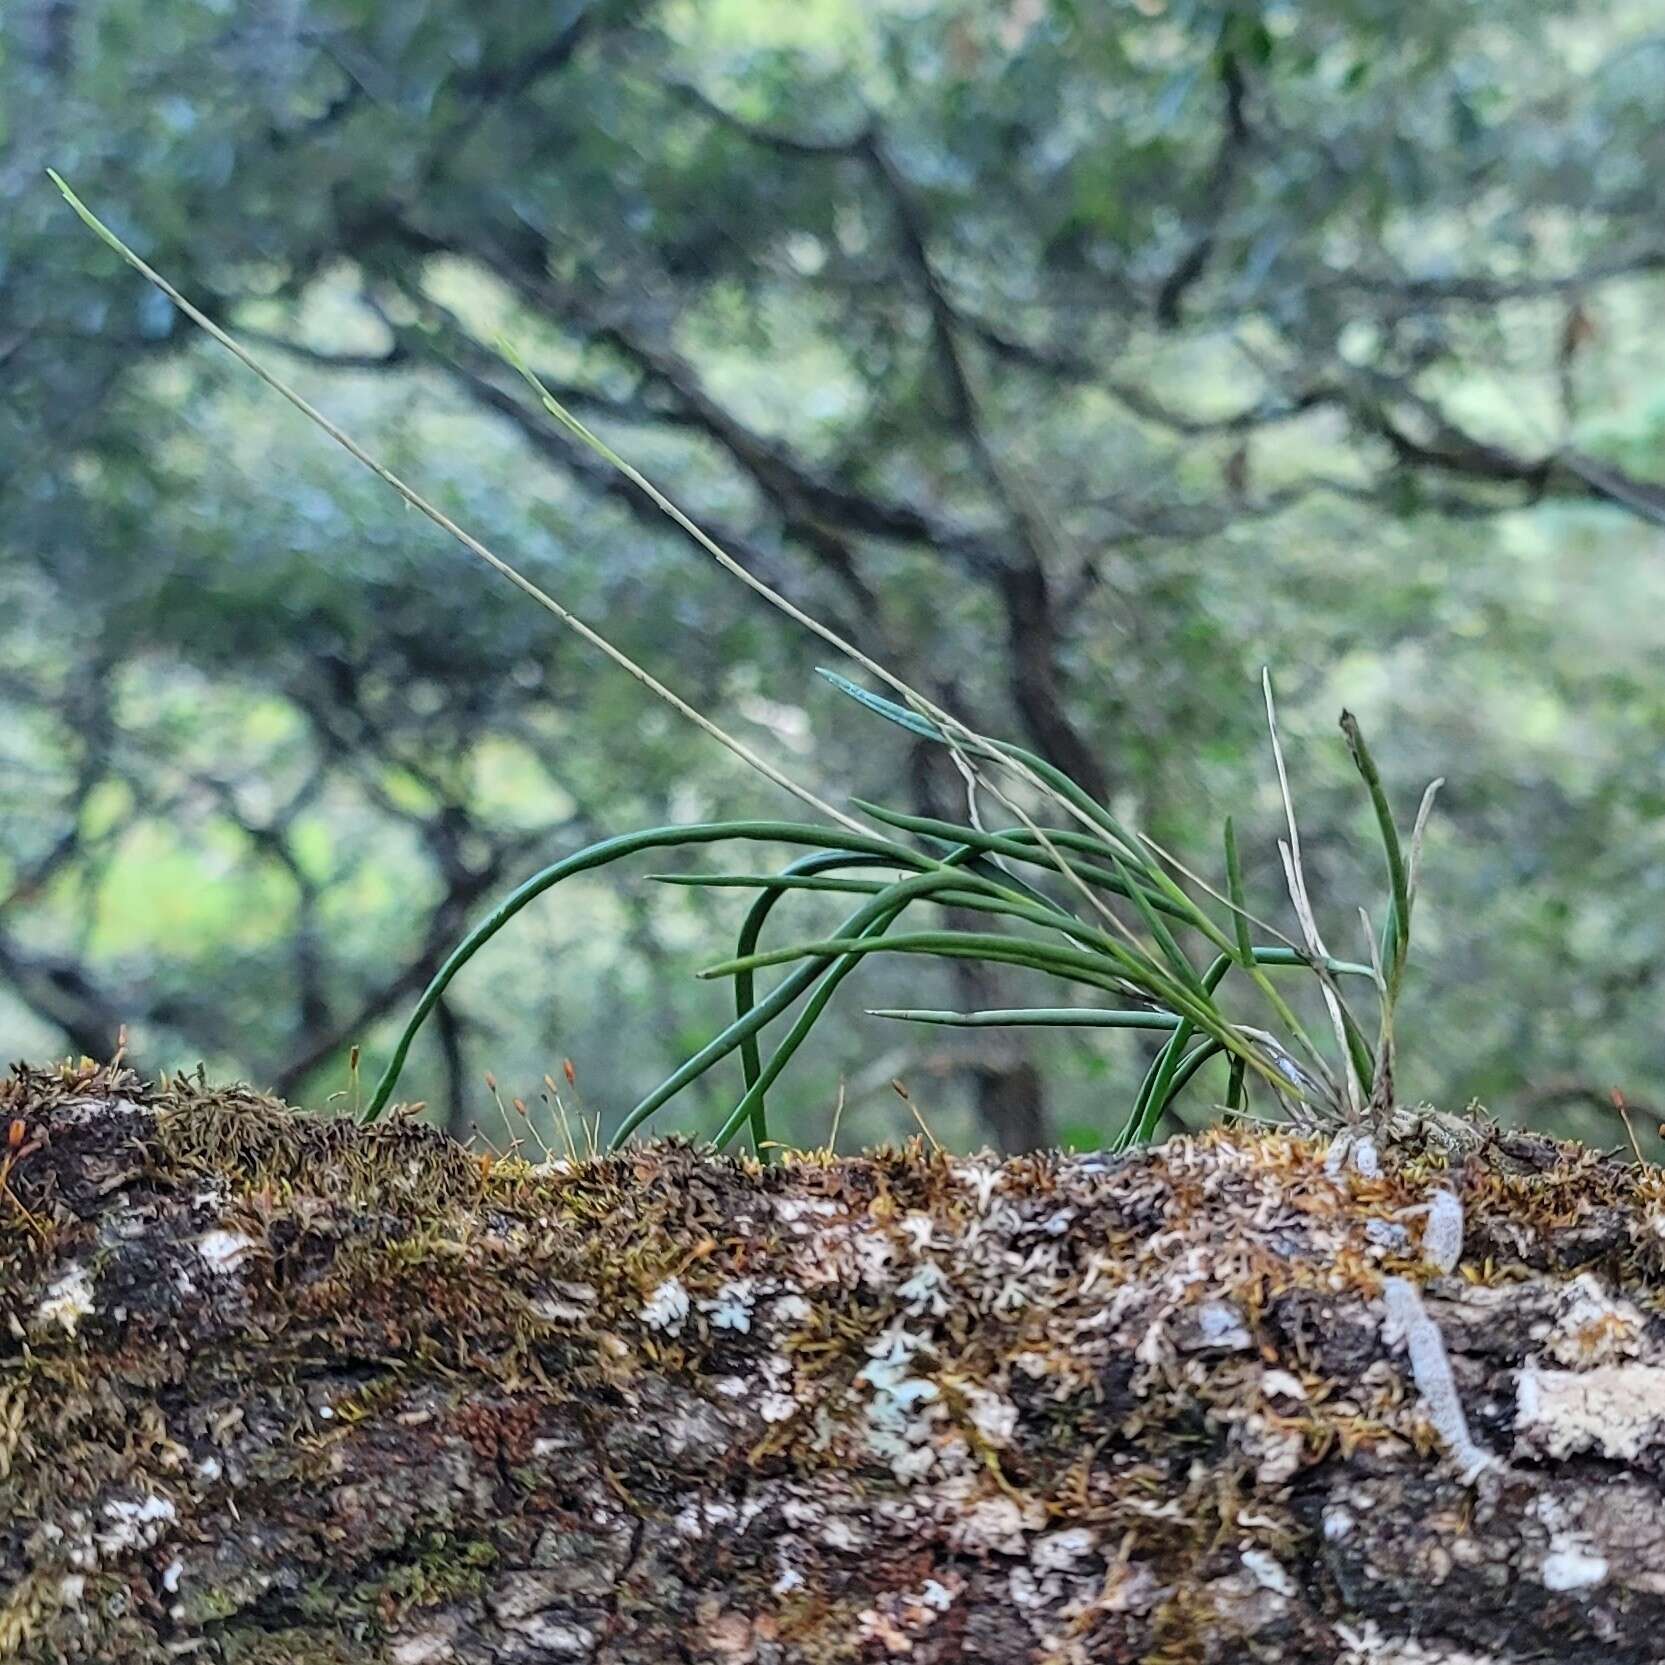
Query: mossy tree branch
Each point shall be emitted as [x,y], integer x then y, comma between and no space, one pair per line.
[281,1389]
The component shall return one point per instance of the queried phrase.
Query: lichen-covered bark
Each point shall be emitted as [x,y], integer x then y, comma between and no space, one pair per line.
[277,1389]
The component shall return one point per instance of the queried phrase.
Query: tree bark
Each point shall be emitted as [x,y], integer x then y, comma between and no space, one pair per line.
[275,1388]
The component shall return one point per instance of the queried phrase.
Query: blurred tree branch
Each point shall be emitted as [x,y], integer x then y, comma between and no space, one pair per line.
[1022,349]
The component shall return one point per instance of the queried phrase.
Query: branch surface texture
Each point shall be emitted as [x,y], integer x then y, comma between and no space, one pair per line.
[278,1389]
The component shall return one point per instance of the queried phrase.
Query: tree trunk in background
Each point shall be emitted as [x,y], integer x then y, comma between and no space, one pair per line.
[276,1389]
[1009,1097]
[449,1031]
[1007,1090]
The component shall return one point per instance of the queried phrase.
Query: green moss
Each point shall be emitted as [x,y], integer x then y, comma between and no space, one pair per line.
[444,1569]
[250,1646]
[203,1603]
[259,1143]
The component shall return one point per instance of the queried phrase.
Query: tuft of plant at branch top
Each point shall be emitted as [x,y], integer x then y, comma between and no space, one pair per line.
[1096,905]
[1140,962]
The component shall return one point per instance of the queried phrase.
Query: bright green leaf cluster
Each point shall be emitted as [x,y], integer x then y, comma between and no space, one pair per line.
[966,868]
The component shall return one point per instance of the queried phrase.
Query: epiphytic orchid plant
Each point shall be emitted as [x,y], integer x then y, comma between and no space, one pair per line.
[1088,902]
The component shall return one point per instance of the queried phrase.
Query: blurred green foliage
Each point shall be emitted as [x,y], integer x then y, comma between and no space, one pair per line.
[1075,359]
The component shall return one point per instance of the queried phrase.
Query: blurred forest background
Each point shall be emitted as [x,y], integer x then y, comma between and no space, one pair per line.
[1076,357]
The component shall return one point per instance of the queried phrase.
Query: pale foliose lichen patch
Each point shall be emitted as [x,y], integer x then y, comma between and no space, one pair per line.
[667,1307]
[134,1522]
[1591,1326]
[1571,1565]
[67,1300]
[1366,1644]
[1614,1410]
[1442,1235]
[224,1251]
